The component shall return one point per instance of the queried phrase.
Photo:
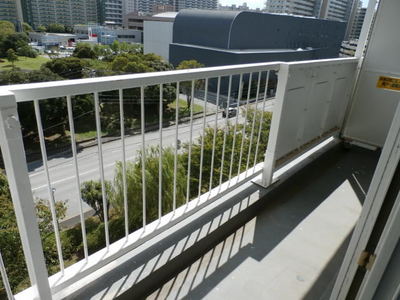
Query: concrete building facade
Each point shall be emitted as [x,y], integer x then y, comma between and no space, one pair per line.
[106,35]
[155,6]
[8,10]
[198,4]
[67,12]
[357,23]
[111,12]
[157,34]
[338,10]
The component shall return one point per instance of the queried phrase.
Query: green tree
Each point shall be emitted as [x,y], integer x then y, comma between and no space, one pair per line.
[115,46]
[27,51]
[92,195]
[68,67]
[119,63]
[134,186]
[237,166]
[101,50]
[84,50]
[186,87]
[41,28]
[10,243]
[12,57]
[26,27]
[13,41]
[56,28]
[6,28]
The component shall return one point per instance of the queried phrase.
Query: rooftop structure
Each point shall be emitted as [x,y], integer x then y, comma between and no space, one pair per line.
[223,37]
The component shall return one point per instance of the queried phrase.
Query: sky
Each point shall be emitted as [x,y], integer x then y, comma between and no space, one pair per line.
[258,3]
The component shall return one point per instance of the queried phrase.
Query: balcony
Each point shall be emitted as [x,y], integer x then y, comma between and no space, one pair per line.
[264,214]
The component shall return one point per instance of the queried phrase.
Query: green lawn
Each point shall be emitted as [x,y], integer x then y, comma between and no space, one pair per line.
[25,63]
[183,107]
[82,136]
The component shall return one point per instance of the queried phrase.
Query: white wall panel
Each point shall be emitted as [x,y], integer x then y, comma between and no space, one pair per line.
[373,108]
[313,104]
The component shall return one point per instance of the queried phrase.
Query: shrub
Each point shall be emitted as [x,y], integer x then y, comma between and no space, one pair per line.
[26,51]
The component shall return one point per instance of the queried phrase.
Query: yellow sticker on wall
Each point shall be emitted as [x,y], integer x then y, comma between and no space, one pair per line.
[389,83]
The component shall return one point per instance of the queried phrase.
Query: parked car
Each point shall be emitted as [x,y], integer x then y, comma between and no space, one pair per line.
[232,112]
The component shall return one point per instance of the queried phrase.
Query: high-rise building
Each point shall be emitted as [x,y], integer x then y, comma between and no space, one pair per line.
[199,4]
[357,23]
[111,12]
[129,6]
[66,12]
[148,6]
[153,6]
[338,10]
[8,10]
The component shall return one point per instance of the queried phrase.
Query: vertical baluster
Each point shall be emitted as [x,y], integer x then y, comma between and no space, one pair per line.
[190,144]
[176,145]
[236,123]
[225,133]
[6,283]
[49,187]
[244,124]
[261,120]
[101,167]
[253,123]
[160,168]
[143,155]
[12,149]
[215,134]
[124,184]
[202,137]
[78,184]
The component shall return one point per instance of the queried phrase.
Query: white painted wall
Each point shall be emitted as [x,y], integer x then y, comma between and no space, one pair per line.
[373,108]
[156,38]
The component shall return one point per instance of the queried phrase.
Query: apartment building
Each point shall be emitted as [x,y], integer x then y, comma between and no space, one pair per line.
[66,12]
[357,23]
[338,10]
[8,10]
[158,6]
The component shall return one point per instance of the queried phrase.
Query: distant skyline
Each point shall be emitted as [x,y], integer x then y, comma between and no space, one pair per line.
[260,3]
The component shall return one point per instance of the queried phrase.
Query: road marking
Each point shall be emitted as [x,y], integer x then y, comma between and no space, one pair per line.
[71,177]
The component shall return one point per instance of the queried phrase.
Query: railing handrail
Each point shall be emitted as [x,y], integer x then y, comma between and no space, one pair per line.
[54,89]
[67,88]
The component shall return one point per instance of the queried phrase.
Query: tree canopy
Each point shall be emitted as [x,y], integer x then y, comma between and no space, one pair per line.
[84,50]
[6,28]
[186,87]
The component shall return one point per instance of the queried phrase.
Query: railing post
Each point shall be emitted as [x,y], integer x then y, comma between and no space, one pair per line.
[270,154]
[17,173]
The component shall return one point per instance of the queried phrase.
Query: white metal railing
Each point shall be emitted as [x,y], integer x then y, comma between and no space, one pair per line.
[290,121]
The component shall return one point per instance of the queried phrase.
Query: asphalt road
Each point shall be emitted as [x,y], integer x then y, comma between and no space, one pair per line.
[62,172]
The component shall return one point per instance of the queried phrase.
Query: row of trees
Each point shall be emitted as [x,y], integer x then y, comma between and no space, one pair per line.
[119,60]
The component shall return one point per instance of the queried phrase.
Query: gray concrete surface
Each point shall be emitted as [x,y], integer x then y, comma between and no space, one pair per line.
[287,244]
[293,248]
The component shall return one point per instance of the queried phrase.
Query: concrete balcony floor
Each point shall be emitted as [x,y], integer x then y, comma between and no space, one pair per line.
[285,244]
